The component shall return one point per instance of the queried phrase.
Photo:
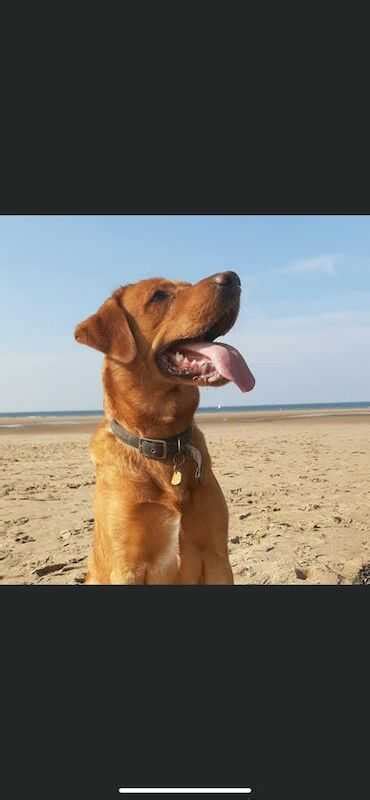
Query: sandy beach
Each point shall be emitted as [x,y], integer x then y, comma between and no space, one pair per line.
[296,483]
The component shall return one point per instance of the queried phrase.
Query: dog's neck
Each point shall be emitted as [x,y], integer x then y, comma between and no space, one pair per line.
[159,412]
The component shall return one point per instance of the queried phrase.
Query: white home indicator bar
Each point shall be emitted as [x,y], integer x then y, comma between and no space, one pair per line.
[185,791]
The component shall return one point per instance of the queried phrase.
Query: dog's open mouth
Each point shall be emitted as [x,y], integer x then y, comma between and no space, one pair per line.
[206,362]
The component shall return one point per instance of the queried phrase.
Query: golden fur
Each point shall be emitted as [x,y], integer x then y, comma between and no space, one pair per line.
[148,531]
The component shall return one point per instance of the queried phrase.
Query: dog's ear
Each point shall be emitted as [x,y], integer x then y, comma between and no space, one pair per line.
[108,331]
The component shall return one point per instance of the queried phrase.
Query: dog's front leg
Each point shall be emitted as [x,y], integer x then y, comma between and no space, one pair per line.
[128,577]
[136,544]
[204,539]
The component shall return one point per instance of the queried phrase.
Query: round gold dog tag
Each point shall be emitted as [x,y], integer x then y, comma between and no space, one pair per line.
[176,477]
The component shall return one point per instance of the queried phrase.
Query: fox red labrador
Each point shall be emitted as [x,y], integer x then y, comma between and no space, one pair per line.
[160,514]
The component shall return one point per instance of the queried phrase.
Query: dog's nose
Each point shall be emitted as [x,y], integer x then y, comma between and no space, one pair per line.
[227,279]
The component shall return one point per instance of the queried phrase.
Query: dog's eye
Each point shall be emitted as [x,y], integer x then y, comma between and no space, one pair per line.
[158,296]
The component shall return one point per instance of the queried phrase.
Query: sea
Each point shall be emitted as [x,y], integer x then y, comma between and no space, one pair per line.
[220,409]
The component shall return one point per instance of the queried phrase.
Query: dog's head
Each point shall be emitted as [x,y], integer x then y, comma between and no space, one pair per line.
[171,328]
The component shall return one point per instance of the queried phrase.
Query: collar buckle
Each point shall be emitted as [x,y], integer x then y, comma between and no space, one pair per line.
[149,448]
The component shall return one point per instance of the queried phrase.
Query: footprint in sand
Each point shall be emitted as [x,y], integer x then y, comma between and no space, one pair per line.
[24,538]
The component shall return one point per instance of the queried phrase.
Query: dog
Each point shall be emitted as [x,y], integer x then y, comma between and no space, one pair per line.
[160,514]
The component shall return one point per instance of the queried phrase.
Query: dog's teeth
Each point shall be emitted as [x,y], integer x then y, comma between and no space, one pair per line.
[178,357]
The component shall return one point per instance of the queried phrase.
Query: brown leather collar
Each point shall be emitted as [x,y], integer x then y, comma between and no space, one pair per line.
[159,449]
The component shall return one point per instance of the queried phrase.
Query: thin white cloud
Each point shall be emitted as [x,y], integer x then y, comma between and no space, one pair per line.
[324,264]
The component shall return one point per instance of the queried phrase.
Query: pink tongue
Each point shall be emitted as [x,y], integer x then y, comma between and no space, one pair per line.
[228,362]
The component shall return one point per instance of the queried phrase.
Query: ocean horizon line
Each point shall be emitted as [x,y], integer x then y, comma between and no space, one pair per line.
[202,409]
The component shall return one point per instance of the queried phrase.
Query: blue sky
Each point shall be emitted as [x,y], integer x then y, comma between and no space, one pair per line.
[304,327]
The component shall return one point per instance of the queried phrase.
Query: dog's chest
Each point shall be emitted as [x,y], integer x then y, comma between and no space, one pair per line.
[176,497]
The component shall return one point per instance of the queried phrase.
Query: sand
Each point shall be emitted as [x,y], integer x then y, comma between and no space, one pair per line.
[296,483]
